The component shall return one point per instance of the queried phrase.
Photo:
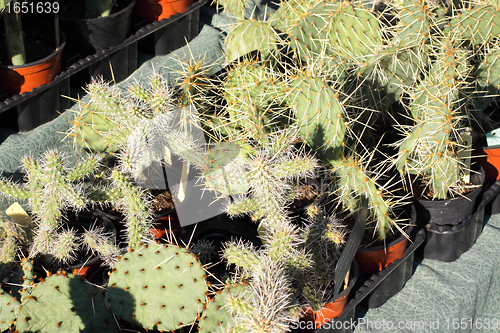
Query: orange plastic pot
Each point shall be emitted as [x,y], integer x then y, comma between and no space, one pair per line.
[333,309]
[375,259]
[328,312]
[489,158]
[156,10]
[18,79]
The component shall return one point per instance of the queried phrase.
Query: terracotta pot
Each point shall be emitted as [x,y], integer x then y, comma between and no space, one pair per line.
[156,10]
[331,309]
[374,259]
[23,78]
[489,158]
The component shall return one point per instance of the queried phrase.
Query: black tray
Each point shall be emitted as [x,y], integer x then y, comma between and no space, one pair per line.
[493,207]
[120,59]
[447,243]
[376,290]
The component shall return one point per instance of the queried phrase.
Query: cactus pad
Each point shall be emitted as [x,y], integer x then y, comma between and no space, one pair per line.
[218,317]
[65,304]
[157,287]
[9,307]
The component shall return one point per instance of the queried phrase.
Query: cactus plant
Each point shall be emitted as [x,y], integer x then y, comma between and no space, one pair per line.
[157,287]
[218,315]
[52,186]
[12,238]
[73,304]
[13,33]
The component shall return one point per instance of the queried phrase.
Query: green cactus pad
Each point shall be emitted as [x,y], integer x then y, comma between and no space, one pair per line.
[65,304]
[92,128]
[248,36]
[9,307]
[352,30]
[480,25]
[218,317]
[158,287]
[415,20]
[319,115]
[289,13]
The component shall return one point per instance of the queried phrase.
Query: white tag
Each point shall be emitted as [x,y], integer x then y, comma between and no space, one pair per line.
[18,214]
[167,156]
[493,138]
[183,184]
[465,155]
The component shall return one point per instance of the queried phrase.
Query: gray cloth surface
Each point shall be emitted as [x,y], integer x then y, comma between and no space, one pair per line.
[467,288]
[443,293]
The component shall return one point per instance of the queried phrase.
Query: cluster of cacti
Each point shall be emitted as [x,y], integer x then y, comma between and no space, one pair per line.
[64,302]
[52,187]
[345,63]
[106,121]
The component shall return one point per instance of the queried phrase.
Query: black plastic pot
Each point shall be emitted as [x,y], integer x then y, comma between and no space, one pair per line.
[448,243]
[88,36]
[45,106]
[451,211]
[122,58]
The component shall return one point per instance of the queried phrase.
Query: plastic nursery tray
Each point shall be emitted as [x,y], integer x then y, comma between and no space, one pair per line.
[28,110]
[493,207]
[377,289]
[447,243]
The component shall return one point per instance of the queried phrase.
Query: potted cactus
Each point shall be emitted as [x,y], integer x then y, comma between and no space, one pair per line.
[95,25]
[51,188]
[19,74]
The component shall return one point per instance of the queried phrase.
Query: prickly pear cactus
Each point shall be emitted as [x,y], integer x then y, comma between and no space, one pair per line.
[158,287]
[250,35]
[9,307]
[218,316]
[319,115]
[91,128]
[339,22]
[478,25]
[289,13]
[65,303]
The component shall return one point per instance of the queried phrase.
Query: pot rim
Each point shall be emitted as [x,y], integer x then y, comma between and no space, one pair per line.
[470,196]
[129,7]
[43,60]
[411,227]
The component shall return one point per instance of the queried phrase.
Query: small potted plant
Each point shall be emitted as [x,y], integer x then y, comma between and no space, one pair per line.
[21,72]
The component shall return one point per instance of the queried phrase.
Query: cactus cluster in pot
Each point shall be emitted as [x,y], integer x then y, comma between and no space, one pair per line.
[52,186]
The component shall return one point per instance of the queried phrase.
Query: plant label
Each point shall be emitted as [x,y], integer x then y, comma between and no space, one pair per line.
[493,138]
[18,214]
[350,249]
[465,155]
